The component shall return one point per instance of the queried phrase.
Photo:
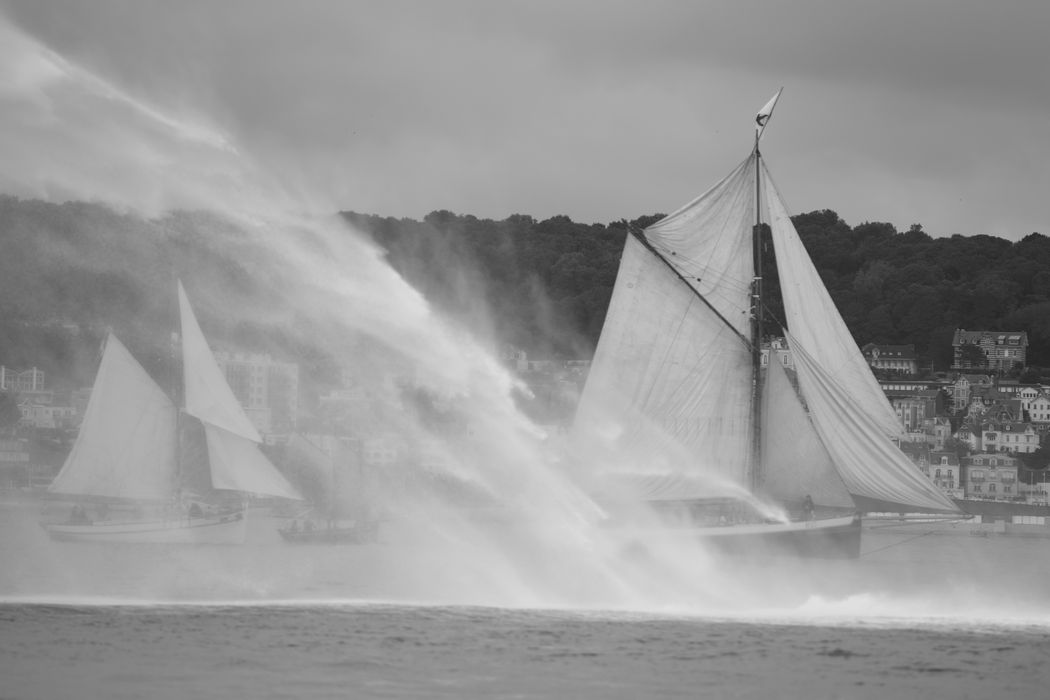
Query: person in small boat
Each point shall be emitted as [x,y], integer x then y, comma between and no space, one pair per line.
[195,511]
[78,516]
[807,508]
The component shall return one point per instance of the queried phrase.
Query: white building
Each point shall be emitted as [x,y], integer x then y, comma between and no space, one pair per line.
[267,389]
[1008,437]
[30,380]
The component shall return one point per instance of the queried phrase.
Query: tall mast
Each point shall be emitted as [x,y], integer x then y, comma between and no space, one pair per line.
[756,328]
[177,394]
[757,476]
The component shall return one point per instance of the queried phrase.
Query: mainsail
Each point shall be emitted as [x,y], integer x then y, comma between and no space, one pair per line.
[670,381]
[670,387]
[126,445]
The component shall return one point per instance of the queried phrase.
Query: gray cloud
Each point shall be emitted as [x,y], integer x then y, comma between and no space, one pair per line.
[929,112]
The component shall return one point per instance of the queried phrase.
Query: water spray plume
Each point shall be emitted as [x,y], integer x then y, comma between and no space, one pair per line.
[70,134]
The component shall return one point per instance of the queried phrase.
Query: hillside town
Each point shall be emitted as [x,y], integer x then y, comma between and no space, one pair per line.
[977,433]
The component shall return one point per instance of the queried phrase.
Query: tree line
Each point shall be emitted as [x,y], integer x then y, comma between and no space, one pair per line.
[547,283]
[542,286]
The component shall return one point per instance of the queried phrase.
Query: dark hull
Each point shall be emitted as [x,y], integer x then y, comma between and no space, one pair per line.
[825,538]
[833,538]
[220,529]
[356,534]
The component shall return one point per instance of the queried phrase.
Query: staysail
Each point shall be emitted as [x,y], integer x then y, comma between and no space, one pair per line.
[814,319]
[232,441]
[126,445]
[796,462]
[871,466]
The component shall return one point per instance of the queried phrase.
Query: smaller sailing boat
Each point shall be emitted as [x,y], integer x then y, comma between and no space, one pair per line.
[162,473]
[329,525]
[685,417]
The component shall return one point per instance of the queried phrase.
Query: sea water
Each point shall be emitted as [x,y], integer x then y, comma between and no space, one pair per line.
[385,651]
[924,613]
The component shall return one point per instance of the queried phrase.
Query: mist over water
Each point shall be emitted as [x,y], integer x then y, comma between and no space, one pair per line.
[69,134]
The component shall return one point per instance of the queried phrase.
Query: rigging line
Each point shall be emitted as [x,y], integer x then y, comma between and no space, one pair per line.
[724,278]
[897,544]
[640,236]
[770,316]
[925,521]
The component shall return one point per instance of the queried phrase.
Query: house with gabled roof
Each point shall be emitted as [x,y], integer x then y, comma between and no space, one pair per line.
[941,467]
[969,435]
[896,359]
[937,429]
[946,472]
[1002,349]
[1037,404]
[963,386]
[1010,437]
[990,476]
[914,408]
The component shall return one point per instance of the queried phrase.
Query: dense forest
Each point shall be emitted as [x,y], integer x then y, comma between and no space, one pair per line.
[547,283]
[542,286]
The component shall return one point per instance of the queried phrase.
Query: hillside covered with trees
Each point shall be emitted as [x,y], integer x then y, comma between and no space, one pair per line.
[548,282]
[542,286]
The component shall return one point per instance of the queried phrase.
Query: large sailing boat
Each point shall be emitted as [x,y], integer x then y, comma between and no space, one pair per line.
[182,470]
[691,420]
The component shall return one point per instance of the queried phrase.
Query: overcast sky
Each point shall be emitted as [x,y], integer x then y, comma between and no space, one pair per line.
[903,111]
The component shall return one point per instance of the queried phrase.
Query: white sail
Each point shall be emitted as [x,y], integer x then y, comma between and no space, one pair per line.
[671,382]
[207,395]
[795,462]
[815,321]
[238,465]
[232,441]
[708,242]
[870,465]
[126,445]
[669,387]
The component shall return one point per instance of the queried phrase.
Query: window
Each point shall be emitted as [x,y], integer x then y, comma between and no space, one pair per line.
[991,488]
[937,474]
[949,473]
[976,488]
